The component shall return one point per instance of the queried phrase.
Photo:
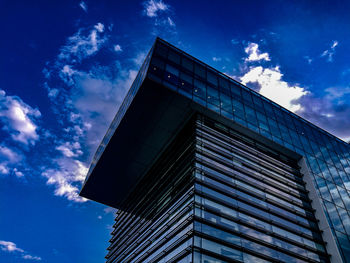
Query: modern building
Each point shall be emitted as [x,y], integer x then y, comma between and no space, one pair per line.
[203,169]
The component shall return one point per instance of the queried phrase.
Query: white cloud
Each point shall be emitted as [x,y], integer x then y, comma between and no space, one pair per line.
[118,48]
[110,210]
[99,217]
[140,57]
[27,256]
[308,59]
[82,45]
[17,172]
[89,97]
[254,53]
[100,27]
[152,7]
[273,87]
[9,246]
[329,53]
[9,154]
[171,22]
[67,178]
[70,149]
[19,118]
[216,59]
[83,6]
[4,169]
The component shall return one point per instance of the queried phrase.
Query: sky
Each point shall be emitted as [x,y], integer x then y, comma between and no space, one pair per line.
[65,67]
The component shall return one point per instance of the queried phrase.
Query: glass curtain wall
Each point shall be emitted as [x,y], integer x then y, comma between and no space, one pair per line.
[327,157]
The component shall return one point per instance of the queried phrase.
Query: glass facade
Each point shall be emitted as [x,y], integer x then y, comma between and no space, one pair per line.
[327,157]
[217,193]
[214,196]
[249,205]
[159,224]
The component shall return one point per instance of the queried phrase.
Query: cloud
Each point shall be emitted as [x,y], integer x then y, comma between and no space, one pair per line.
[153,7]
[27,256]
[171,22]
[159,12]
[85,99]
[67,177]
[83,6]
[17,172]
[8,160]
[83,44]
[234,41]
[110,210]
[330,112]
[70,149]
[99,27]
[216,59]
[9,154]
[329,53]
[4,169]
[254,53]
[273,87]
[118,48]
[308,59]
[11,247]
[19,119]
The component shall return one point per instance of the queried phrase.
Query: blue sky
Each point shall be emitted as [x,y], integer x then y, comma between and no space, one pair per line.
[66,65]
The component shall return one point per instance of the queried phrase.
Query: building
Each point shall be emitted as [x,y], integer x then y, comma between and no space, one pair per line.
[203,169]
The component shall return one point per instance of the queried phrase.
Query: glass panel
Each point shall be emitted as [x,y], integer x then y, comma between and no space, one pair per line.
[199,89]
[199,70]
[187,63]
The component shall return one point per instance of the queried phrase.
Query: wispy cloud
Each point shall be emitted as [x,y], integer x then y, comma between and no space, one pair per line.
[19,119]
[66,177]
[83,44]
[11,247]
[272,86]
[160,13]
[83,6]
[216,59]
[329,53]
[331,112]
[308,59]
[70,149]
[171,22]
[254,53]
[9,160]
[153,7]
[118,48]
[235,41]
[85,99]
[27,256]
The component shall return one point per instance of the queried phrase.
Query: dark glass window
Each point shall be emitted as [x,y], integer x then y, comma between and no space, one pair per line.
[172,70]
[199,70]
[212,96]
[199,89]
[236,91]
[161,50]
[226,103]
[174,57]
[187,63]
[212,77]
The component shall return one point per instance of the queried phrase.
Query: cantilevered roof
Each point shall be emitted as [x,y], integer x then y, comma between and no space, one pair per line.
[149,118]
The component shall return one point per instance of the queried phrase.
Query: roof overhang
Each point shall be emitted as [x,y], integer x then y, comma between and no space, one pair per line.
[153,118]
